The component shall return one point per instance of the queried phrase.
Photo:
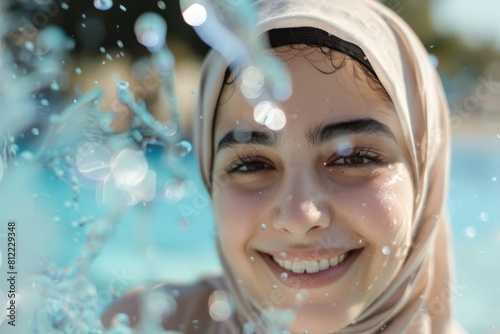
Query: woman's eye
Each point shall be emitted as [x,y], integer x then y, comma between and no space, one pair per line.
[247,166]
[351,161]
[358,158]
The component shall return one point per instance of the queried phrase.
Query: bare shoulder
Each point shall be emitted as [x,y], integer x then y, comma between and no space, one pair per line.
[191,303]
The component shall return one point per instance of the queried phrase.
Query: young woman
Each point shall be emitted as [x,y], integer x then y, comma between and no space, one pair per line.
[335,223]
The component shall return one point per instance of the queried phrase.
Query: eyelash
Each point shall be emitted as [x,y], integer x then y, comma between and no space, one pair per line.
[253,161]
[358,152]
[246,160]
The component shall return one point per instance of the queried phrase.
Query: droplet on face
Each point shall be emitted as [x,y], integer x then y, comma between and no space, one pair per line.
[302,296]
[390,166]
[35,131]
[103,4]
[252,259]
[263,227]
[266,113]
[345,148]
[78,71]
[195,15]
[150,30]
[283,255]
[220,306]
[284,276]
[386,250]
[252,82]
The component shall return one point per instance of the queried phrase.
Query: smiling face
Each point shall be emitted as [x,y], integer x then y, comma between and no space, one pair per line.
[315,217]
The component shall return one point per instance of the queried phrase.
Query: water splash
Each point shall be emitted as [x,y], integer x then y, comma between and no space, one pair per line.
[103,4]
[228,28]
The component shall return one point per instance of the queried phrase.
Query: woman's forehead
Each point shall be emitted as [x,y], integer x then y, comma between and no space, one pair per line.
[318,96]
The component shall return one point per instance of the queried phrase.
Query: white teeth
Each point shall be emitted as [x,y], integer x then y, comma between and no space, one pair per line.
[324,264]
[310,267]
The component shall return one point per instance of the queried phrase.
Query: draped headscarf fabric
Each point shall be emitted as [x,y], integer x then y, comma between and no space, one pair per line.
[418,300]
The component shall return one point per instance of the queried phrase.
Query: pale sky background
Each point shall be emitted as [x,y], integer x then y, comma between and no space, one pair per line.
[478,21]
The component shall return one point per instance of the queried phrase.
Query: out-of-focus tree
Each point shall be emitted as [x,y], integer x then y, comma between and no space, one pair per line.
[453,53]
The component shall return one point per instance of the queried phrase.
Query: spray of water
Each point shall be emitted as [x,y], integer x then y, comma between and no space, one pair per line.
[78,145]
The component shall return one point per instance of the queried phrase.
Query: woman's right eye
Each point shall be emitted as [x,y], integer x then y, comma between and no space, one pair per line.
[248,165]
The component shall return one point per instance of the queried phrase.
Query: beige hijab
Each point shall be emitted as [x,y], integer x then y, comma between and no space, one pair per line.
[418,300]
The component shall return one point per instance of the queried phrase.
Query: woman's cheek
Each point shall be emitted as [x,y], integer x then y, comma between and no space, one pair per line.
[235,215]
[382,209]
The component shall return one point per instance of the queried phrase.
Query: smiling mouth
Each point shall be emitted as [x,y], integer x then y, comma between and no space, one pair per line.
[313,266]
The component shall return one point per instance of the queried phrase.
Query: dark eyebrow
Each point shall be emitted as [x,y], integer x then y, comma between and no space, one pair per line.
[323,133]
[247,137]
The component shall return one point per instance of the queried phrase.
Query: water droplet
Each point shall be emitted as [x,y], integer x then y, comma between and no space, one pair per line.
[122,85]
[268,114]
[485,217]
[284,276]
[119,43]
[304,332]
[252,259]
[275,287]
[345,148]
[302,296]
[180,150]
[386,250]
[29,46]
[103,4]
[44,102]
[78,71]
[471,232]
[64,6]
[158,304]
[174,190]
[161,5]
[363,205]
[150,30]
[54,86]
[120,319]
[123,8]
[390,166]
[283,255]
[252,82]
[195,15]
[35,131]
[193,91]
[220,306]
[94,161]
[263,227]
[494,179]
[333,304]
[170,128]
[129,167]
[289,197]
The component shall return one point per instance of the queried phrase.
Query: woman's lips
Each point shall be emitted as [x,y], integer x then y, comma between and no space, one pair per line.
[311,277]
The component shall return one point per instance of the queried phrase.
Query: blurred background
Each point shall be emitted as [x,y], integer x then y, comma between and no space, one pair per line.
[171,237]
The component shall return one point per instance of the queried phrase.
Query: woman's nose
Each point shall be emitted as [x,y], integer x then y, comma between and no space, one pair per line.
[301,208]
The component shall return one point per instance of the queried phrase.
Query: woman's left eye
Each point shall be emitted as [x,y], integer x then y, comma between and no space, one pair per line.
[248,165]
[357,158]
